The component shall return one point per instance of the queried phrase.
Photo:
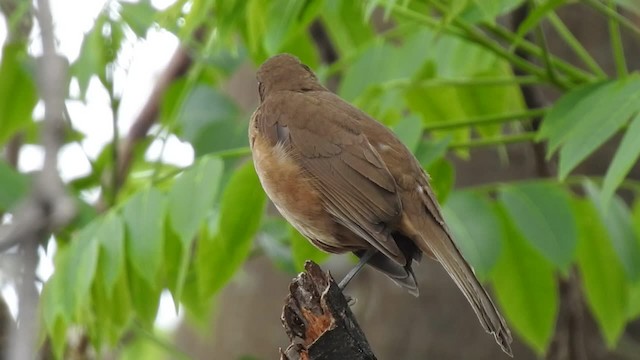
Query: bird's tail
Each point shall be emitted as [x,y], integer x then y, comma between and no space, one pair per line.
[401,275]
[435,240]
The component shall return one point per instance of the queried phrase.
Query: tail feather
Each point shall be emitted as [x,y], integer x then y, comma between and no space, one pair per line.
[477,296]
[433,237]
[401,275]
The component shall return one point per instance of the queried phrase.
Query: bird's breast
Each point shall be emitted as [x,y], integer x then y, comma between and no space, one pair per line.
[292,192]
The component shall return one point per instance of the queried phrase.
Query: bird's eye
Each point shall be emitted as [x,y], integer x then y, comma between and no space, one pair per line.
[306,67]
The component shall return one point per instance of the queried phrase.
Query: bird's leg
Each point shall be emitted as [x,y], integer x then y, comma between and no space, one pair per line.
[353,272]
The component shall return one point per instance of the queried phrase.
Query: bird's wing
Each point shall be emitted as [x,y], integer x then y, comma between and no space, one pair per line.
[356,185]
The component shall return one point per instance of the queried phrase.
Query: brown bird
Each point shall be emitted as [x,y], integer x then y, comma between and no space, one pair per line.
[347,183]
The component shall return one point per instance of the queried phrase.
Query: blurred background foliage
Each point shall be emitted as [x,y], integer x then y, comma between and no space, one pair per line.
[449,77]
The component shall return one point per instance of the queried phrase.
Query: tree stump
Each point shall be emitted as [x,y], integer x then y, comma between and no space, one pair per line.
[319,322]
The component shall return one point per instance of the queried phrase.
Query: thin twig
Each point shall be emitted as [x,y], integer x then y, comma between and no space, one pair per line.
[487,120]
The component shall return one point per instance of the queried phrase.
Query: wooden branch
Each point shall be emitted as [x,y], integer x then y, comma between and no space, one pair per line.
[178,66]
[319,322]
[48,207]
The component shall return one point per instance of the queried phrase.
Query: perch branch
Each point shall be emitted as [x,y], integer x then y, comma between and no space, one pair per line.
[319,322]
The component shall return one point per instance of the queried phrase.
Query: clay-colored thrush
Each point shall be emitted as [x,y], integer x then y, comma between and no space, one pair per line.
[347,183]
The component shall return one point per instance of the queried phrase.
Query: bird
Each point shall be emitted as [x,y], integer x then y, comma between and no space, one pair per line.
[348,184]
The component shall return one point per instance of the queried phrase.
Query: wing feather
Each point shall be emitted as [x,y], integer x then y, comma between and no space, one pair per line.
[357,187]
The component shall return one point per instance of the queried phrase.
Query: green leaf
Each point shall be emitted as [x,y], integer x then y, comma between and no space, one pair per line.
[59,337]
[111,312]
[110,235]
[490,100]
[52,307]
[207,119]
[479,240]
[585,118]
[78,270]
[444,105]
[99,48]
[440,102]
[274,240]
[381,62]
[191,197]
[176,264]
[542,213]
[442,178]
[149,346]
[635,216]
[455,8]
[346,24]
[120,310]
[533,19]
[89,62]
[15,186]
[617,220]
[626,156]
[241,211]
[285,20]
[139,16]
[632,5]
[144,218]
[526,289]
[144,297]
[303,46]
[255,29]
[603,276]
[18,94]
[488,10]
[409,131]
[196,112]
[430,150]
[385,106]
[196,304]
[634,302]
[558,121]
[302,250]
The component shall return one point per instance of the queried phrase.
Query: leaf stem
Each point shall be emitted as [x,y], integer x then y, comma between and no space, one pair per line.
[611,13]
[480,81]
[616,43]
[546,55]
[501,140]
[487,120]
[472,34]
[478,36]
[577,180]
[576,74]
[575,45]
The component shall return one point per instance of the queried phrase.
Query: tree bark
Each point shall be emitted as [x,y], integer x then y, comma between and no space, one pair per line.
[319,322]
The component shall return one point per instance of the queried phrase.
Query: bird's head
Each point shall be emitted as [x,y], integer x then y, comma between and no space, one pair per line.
[285,72]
